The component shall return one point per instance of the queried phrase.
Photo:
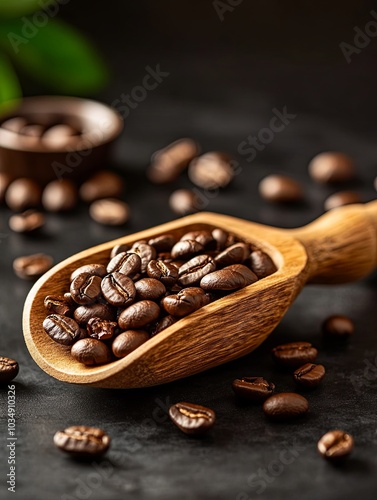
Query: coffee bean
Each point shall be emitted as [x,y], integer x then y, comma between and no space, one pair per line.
[61,329]
[309,375]
[82,441]
[285,406]
[103,184]
[23,193]
[26,222]
[33,130]
[118,289]
[57,304]
[8,369]
[85,288]
[139,314]
[261,264]
[221,238]
[109,211]
[84,313]
[294,354]
[205,238]
[101,329]
[195,269]
[249,276]
[162,324]
[235,254]
[165,257]
[186,249]
[340,199]
[335,445]
[163,243]
[5,181]
[93,269]
[59,136]
[332,167]
[14,124]
[338,327]
[126,263]
[149,289]
[211,171]
[128,341]
[191,418]
[183,202]
[253,388]
[228,279]
[281,189]
[185,302]
[146,253]
[117,249]
[163,271]
[91,352]
[32,266]
[60,196]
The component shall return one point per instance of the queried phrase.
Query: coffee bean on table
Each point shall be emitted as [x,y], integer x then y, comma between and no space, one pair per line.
[163,243]
[57,304]
[23,193]
[26,222]
[103,184]
[261,264]
[149,289]
[5,180]
[128,341]
[211,171]
[234,254]
[91,352]
[253,388]
[285,406]
[340,199]
[138,315]
[32,266]
[294,354]
[60,196]
[163,271]
[84,313]
[101,329]
[309,375]
[94,269]
[331,167]
[338,327]
[185,302]
[335,445]
[85,288]
[191,418]
[109,211]
[281,189]
[62,329]
[186,249]
[118,289]
[195,269]
[8,369]
[126,263]
[162,324]
[183,202]
[82,441]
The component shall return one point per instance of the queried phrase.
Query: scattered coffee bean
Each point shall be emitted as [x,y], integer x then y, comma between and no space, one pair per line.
[23,193]
[109,211]
[118,289]
[162,324]
[118,249]
[185,302]
[59,196]
[253,388]
[84,313]
[26,222]
[91,352]
[101,329]
[163,243]
[8,369]
[149,289]
[59,136]
[332,167]
[191,418]
[261,264]
[61,329]
[163,271]
[340,199]
[82,441]
[281,189]
[85,288]
[309,375]
[335,445]
[211,171]
[103,184]
[195,269]
[32,266]
[294,354]
[57,305]
[183,202]
[93,269]
[338,327]
[126,263]
[138,315]
[128,341]
[5,180]
[285,406]
[234,254]
[15,124]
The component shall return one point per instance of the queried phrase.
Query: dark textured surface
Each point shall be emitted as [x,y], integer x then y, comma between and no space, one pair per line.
[219,90]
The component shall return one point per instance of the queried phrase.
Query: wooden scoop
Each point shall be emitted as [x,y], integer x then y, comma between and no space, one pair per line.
[339,247]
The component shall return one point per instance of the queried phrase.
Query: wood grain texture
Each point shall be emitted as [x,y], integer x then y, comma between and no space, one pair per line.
[228,328]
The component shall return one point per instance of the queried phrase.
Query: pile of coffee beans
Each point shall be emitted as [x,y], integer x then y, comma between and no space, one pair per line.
[111,310]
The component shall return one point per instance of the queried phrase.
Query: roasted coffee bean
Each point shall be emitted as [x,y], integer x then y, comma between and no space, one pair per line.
[109,211]
[164,256]
[227,279]
[84,313]
[26,222]
[309,375]
[183,202]
[205,238]
[82,441]
[249,276]
[128,341]
[253,388]
[8,369]
[118,289]
[340,199]
[163,243]
[32,266]
[59,136]
[126,263]
[91,352]
[338,327]
[93,269]
[185,302]
[235,254]
[57,304]
[186,249]
[101,329]
[61,329]
[149,289]
[162,324]
[103,184]
[195,269]
[285,406]
[14,124]
[163,271]
[211,171]
[221,238]
[335,445]
[261,264]
[191,418]
[60,196]
[117,249]
[139,314]
[146,253]
[85,288]
[5,181]
[294,354]
[332,167]
[281,189]
[23,193]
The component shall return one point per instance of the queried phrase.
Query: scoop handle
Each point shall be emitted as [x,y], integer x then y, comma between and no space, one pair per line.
[342,244]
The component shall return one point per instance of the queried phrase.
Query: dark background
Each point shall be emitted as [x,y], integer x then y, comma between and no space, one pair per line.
[225,80]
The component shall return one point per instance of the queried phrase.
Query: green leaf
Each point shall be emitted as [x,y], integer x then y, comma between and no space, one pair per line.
[57,55]
[16,8]
[10,89]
